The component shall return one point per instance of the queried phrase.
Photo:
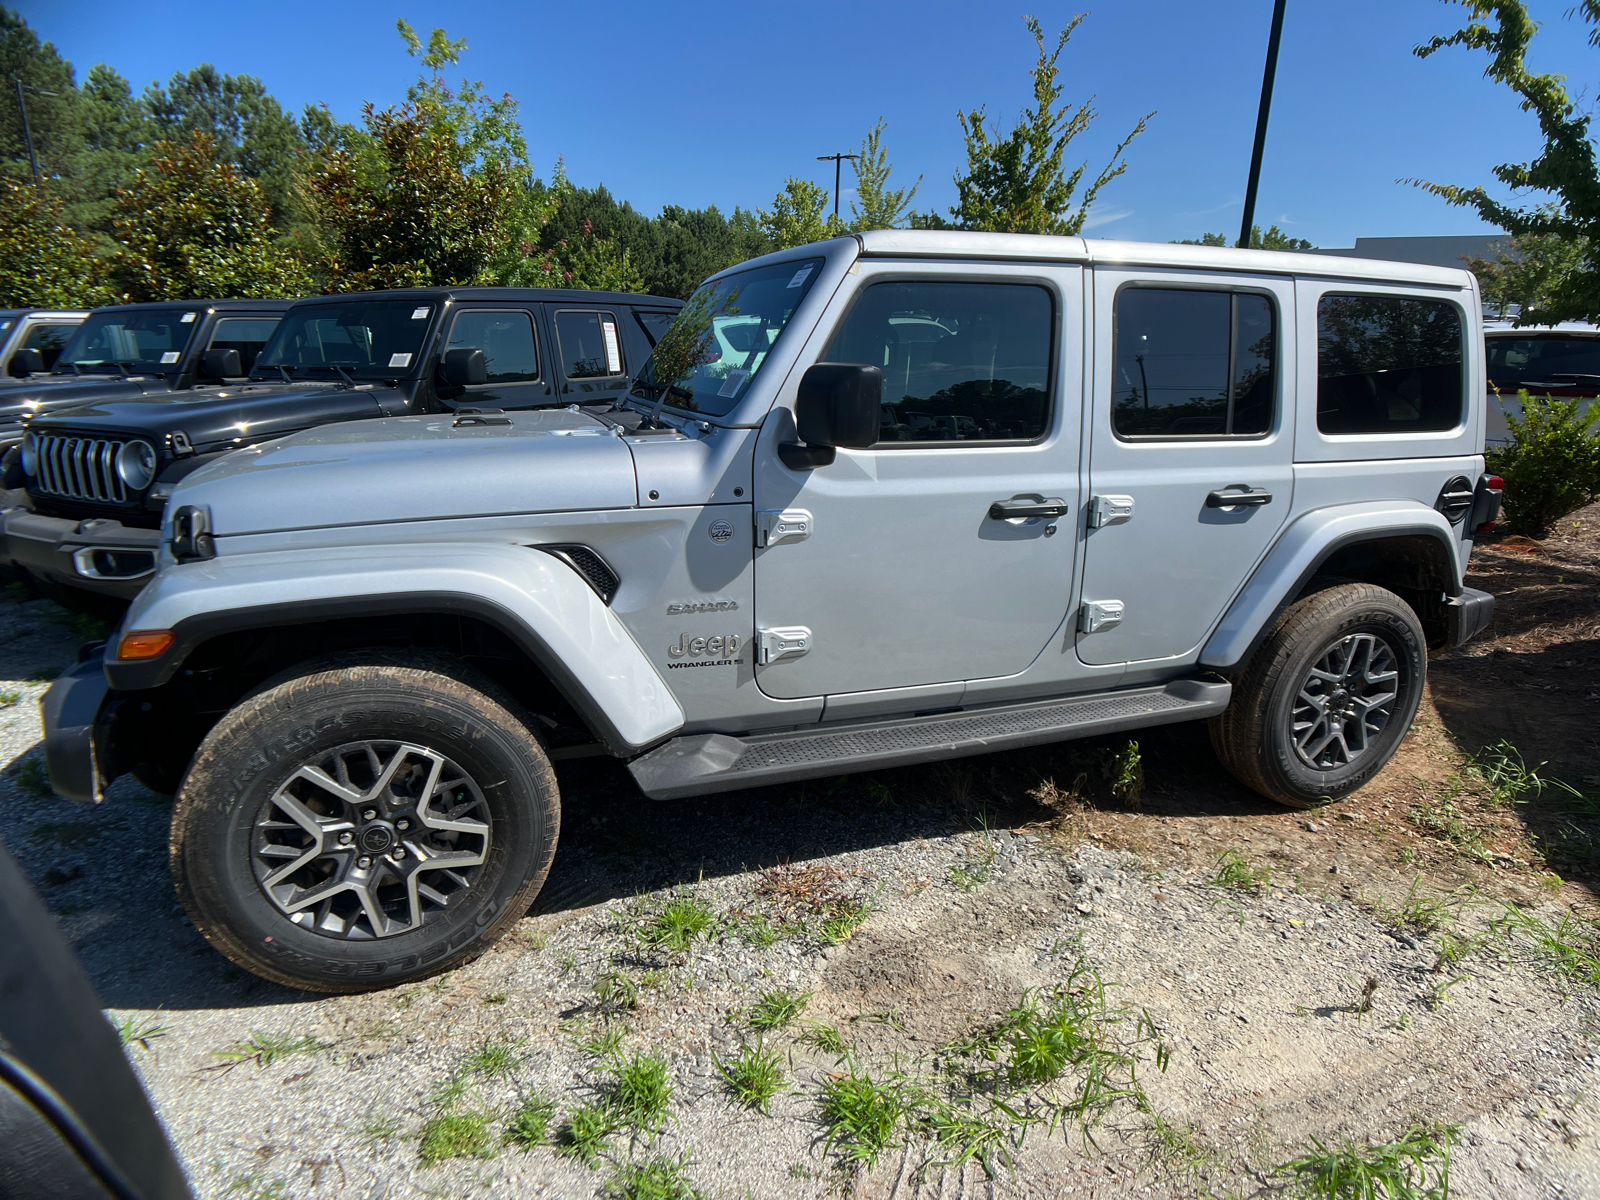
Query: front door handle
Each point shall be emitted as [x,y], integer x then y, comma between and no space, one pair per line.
[1248,498]
[1007,510]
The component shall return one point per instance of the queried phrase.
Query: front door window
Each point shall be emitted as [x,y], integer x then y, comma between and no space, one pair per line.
[511,356]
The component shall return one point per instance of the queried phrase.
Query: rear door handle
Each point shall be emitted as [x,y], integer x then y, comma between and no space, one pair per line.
[1249,497]
[1006,510]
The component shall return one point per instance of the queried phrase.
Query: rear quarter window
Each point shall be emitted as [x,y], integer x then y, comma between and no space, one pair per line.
[1388,364]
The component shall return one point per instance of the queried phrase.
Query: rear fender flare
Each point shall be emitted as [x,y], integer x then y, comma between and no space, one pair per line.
[535,599]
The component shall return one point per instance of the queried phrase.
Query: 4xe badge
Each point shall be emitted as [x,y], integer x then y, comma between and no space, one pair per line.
[720,532]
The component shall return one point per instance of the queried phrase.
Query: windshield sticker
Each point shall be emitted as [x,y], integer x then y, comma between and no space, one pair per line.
[730,385]
[799,277]
[399,360]
[608,330]
[185,320]
[170,356]
[419,314]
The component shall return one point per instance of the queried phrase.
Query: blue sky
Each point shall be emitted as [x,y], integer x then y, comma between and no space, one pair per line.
[699,103]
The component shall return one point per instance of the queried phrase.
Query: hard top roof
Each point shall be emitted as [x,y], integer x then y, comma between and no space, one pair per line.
[217,305]
[503,294]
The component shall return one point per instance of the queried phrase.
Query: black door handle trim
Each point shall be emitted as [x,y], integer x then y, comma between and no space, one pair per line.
[1007,510]
[1253,497]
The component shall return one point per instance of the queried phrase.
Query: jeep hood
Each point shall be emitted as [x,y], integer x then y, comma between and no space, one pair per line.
[415,469]
[23,398]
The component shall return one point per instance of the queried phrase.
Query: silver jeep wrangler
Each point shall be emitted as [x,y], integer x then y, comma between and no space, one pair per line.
[881,500]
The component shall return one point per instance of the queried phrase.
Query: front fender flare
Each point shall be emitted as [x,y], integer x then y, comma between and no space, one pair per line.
[533,598]
[1299,553]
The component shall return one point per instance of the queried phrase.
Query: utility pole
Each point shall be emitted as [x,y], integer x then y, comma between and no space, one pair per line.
[27,134]
[1261,123]
[837,160]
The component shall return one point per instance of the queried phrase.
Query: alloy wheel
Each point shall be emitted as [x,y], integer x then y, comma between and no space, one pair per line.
[1345,701]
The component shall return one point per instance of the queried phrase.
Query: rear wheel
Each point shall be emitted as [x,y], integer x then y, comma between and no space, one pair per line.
[1327,698]
[359,826]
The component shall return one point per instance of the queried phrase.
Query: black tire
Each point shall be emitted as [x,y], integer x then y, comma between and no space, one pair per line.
[468,749]
[1257,737]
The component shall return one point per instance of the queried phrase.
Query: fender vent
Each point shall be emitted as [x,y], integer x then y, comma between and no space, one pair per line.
[597,573]
[1455,499]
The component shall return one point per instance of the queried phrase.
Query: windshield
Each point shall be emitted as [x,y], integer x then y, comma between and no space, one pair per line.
[1560,360]
[721,338]
[365,338]
[146,339]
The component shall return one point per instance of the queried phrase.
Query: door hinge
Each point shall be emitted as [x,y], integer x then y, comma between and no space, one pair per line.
[773,644]
[1110,510]
[1096,615]
[774,526]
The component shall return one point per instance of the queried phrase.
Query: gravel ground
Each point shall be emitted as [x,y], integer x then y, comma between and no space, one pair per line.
[917,908]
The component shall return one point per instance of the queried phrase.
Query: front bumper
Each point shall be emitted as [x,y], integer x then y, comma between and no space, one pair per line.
[77,711]
[1469,615]
[96,555]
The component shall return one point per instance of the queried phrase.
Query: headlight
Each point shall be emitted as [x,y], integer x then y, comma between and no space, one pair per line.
[136,463]
[30,455]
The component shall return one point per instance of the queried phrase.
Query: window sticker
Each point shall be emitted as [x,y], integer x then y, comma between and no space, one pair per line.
[608,330]
[730,385]
[799,277]
[419,314]
[399,360]
[186,319]
[170,356]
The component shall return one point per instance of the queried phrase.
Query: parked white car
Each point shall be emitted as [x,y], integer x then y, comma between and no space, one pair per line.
[1559,360]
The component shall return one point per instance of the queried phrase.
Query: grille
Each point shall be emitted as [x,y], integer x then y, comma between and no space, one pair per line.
[594,569]
[80,468]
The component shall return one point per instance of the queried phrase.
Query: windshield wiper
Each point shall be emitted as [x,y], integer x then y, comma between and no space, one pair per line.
[1571,375]
[344,375]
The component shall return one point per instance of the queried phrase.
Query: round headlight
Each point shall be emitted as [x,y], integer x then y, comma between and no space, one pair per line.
[30,455]
[136,463]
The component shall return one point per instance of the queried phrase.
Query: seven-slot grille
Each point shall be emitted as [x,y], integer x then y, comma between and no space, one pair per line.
[80,468]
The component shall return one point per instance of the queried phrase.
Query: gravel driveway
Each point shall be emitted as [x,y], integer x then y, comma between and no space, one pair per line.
[893,948]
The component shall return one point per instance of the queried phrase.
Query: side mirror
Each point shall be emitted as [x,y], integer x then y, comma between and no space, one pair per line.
[221,364]
[839,404]
[462,367]
[25,362]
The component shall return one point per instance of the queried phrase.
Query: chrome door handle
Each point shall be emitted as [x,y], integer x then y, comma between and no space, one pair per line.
[1248,498]
[1007,510]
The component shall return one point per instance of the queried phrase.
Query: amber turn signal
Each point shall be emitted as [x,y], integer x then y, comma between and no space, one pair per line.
[148,643]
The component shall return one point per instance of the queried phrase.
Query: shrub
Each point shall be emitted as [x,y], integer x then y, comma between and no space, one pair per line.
[1551,466]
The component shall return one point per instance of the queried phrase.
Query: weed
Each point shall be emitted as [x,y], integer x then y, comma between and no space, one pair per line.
[1452,950]
[964,1135]
[615,992]
[1176,1145]
[129,1029]
[268,1048]
[880,792]
[1045,1041]
[846,917]
[449,1090]
[33,777]
[1424,914]
[494,1059]
[1509,779]
[679,922]
[586,1132]
[757,931]
[1550,882]
[1570,944]
[1363,1003]
[10,699]
[754,1075]
[456,1135]
[604,1045]
[654,979]
[640,1091]
[659,1178]
[1126,773]
[968,876]
[1439,994]
[826,1038]
[1443,821]
[380,1127]
[568,963]
[864,1117]
[776,1007]
[529,1125]
[1234,872]
[1415,1167]
[494,998]
[255,1185]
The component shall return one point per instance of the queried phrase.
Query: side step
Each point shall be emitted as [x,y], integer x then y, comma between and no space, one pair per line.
[717,762]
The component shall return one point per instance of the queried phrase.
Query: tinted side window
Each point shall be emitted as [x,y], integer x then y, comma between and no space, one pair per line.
[1388,364]
[49,341]
[1193,363]
[246,335]
[589,345]
[506,339]
[960,361]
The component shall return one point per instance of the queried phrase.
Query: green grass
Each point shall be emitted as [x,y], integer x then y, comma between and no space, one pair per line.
[826,1038]
[964,1135]
[267,1048]
[529,1124]
[1568,944]
[677,924]
[134,1029]
[1126,774]
[586,1134]
[1415,1167]
[1234,872]
[604,1045]
[1421,914]
[33,777]
[615,992]
[660,1178]
[457,1135]
[845,917]
[1046,1040]
[758,931]
[1509,779]
[864,1117]
[494,1059]
[10,699]
[754,1076]
[776,1007]
[254,1185]
[640,1091]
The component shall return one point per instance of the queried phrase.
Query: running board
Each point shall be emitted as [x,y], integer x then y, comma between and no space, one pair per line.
[718,762]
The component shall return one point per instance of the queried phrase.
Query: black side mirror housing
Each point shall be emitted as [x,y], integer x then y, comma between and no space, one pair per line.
[464,366]
[221,364]
[25,362]
[838,404]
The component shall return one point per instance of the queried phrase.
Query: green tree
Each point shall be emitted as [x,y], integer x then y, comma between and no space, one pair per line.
[116,135]
[193,224]
[44,262]
[1526,272]
[799,215]
[51,94]
[1273,239]
[876,205]
[1564,172]
[1017,183]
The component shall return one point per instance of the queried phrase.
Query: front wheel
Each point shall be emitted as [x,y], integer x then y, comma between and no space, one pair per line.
[361,826]
[1327,698]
